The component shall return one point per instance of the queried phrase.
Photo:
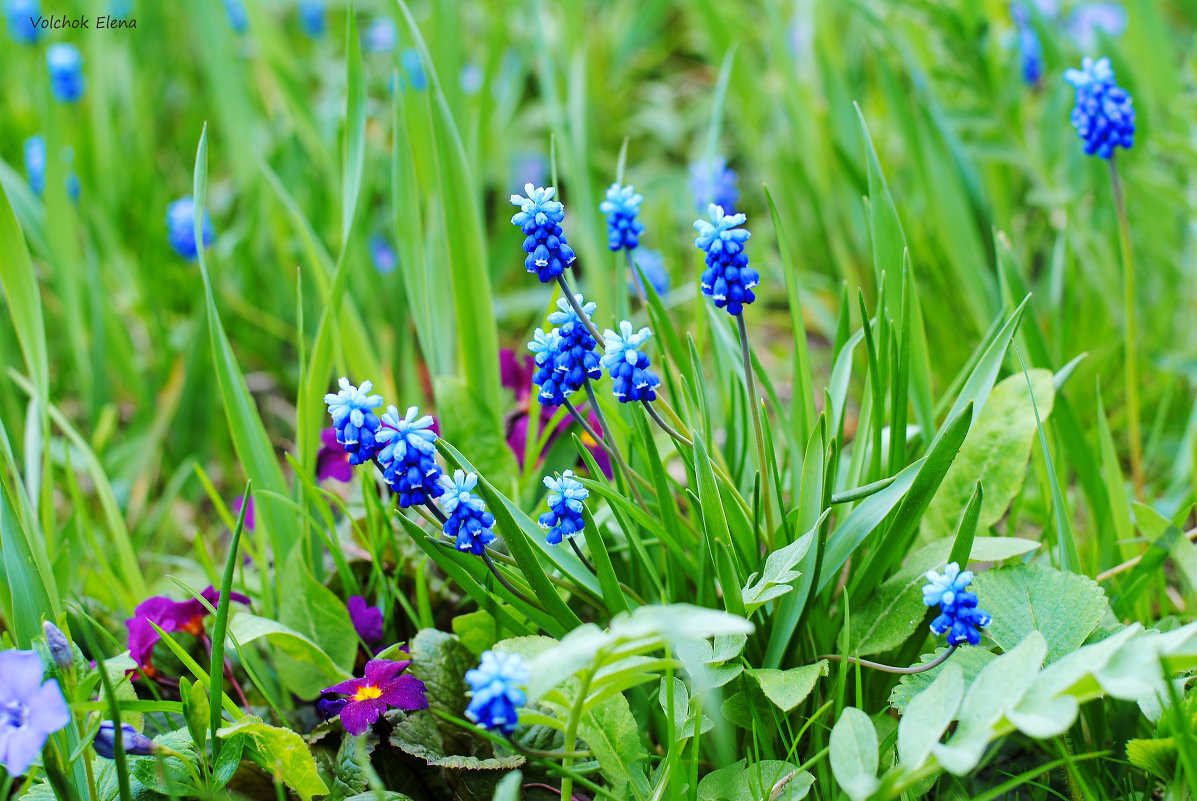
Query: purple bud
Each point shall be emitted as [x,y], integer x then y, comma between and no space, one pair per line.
[60,647]
[136,744]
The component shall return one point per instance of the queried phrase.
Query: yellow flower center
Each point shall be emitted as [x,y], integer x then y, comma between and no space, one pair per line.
[366,693]
[588,440]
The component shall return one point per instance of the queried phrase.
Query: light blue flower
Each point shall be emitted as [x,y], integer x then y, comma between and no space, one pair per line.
[727,279]
[35,163]
[539,218]
[621,207]
[959,616]
[470,79]
[712,182]
[66,72]
[409,455]
[469,524]
[943,588]
[383,256]
[1103,115]
[180,228]
[311,17]
[1030,51]
[652,263]
[381,35]
[1088,21]
[60,647]
[237,15]
[30,711]
[352,412]
[564,518]
[496,693]
[632,378]
[410,59]
[20,15]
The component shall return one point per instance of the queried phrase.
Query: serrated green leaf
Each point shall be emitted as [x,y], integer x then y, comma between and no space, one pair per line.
[283,751]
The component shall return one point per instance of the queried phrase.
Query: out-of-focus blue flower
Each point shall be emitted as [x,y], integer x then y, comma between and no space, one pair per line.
[30,711]
[237,15]
[628,365]
[35,163]
[540,219]
[180,228]
[1103,115]
[469,523]
[20,15]
[496,693]
[529,167]
[383,256]
[564,518]
[652,263]
[59,645]
[545,347]
[470,79]
[575,358]
[381,35]
[120,8]
[409,455]
[621,207]
[410,59]
[136,743]
[311,17]
[959,616]
[1088,20]
[712,182]
[352,412]
[66,72]
[727,279]
[1030,51]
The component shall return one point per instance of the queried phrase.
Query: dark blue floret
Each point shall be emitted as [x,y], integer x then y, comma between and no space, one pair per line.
[469,523]
[727,279]
[959,616]
[539,218]
[495,691]
[1103,115]
[564,518]
[621,207]
[574,359]
[408,453]
[354,420]
[66,72]
[631,377]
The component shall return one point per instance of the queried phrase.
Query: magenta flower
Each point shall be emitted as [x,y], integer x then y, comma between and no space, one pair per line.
[331,460]
[249,513]
[385,684]
[516,375]
[366,619]
[187,616]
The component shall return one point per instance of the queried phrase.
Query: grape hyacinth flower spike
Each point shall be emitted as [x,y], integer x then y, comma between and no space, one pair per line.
[66,72]
[311,17]
[495,691]
[959,616]
[545,347]
[1030,51]
[575,359]
[469,524]
[621,207]
[408,455]
[727,279]
[564,518]
[22,16]
[711,181]
[539,218]
[352,411]
[1103,115]
[628,365]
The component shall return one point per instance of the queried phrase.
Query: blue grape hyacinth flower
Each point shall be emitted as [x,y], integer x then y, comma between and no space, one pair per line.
[469,523]
[545,347]
[30,710]
[539,218]
[652,263]
[1103,115]
[311,17]
[380,36]
[383,256]
[621,207]
[352,412]
[66,72]
[409,456]
[20,15]
[180,228]
[496,693]
[628,365]
[959,616]
[575,358]
[413,67]
[564,518]
[237,16]
[1030,51]
[35,163]
[713,182]
[727,279]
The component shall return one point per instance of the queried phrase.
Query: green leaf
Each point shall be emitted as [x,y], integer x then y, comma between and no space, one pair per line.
[417,733]
[468,422]
[228,760]
[970,661]
[853,754]
[30,601]
[509,787]
[172,776]
[769,778]
[477,630]
[283,751]
[995,452]
[788,688]
[1157,756]
[303,667]
[1063,607]
[779,574]
[928,715]
[314,611]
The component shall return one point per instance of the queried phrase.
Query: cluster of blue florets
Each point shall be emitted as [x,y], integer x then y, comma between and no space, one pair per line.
[495,691]
[628,365]
[959,616]
[539,218]
[408,454]
[66,72]
[727,279]
[469,524]
[357,426]
[575,359]
[564,518]
[621,207]
[1030,51]
[1103,115]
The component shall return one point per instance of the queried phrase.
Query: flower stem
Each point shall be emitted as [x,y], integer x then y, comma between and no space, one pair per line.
[571,735]
[569,296]
[590,432]
[578,552]
[436,511]
[668,429]
[637,281]
[490,563]
[1129,333]
[755,404]
[906,671]
[615,453]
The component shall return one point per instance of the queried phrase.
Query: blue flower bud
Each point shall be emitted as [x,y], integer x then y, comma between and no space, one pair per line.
[136,743]
[60,648]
